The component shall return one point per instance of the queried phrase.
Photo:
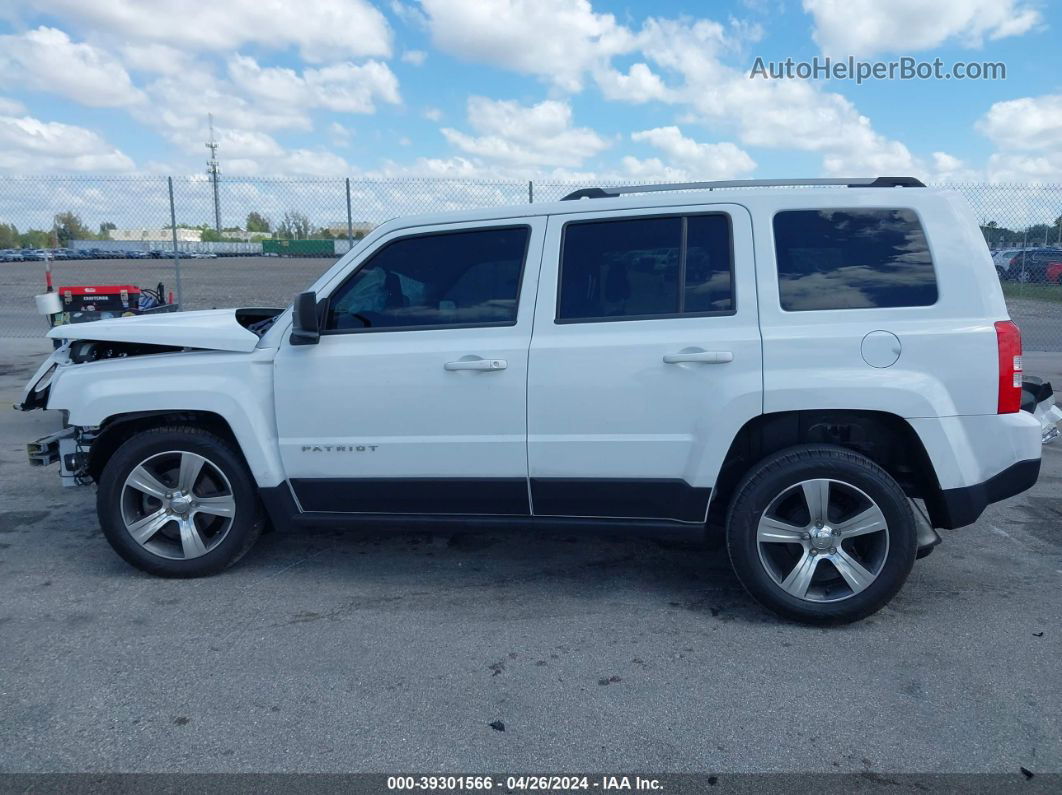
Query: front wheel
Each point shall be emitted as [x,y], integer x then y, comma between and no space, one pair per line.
[821,534]
[178,502]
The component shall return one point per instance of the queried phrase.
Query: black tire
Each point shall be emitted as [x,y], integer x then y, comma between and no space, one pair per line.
[242,531]
[771,478]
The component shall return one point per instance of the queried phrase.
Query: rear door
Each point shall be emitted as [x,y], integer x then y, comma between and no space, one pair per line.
[644,362]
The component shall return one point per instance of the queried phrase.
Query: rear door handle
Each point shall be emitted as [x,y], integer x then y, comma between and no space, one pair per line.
[477,364]
[706,357]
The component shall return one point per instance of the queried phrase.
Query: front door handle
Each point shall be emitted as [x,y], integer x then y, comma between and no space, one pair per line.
[477,364]
[706,357]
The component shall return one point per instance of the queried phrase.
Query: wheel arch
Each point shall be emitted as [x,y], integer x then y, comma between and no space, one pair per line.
[116,429]
[887,439]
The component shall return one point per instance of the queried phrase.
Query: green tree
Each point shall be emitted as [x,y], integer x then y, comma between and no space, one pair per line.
[211,235]
[8,236]
[68,226]
[37,238]
[105,229]
[256,222]
[295,226]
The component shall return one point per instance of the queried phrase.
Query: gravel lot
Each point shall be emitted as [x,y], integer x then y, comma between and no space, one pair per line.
[269,281]
[385,652]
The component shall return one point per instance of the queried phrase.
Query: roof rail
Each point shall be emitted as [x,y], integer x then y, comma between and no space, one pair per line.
[852,182]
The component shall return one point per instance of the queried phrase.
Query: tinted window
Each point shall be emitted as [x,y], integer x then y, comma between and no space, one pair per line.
[709,286]
[851,259]
[634,268]
[452,279]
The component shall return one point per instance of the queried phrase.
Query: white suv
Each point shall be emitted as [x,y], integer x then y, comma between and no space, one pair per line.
[790,368]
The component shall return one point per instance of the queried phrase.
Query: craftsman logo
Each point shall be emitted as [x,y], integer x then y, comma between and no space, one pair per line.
[339,448]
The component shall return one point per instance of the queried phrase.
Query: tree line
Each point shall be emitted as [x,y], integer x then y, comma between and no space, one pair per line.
[68,226]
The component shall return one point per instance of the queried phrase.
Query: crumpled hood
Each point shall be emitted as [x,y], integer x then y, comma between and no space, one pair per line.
[211,329]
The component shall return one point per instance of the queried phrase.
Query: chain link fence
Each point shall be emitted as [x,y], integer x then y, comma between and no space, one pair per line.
[257,241]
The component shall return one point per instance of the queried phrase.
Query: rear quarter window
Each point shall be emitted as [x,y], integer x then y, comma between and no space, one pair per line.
[852,259]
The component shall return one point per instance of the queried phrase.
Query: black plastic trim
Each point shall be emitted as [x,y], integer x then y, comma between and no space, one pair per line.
[638,498]
[952,508]
[494,496]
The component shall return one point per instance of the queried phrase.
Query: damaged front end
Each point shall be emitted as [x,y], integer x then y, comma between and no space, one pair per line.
[69,448]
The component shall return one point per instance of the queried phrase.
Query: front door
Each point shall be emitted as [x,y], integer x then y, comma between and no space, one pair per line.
[414,400]
[645,360]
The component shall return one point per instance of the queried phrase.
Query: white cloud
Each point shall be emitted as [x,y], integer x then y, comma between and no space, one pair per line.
[11,107]
[868,27]
[557,40]
[518,135]
[776,114]
[46,59]
[1028,131]
[178,106]
[338,134]
[433,114]
[415,57]
[640,84]
[29,145]
[321,29]
[314,163]
[693,160]
[156,58]
[344,87]
[1025,123]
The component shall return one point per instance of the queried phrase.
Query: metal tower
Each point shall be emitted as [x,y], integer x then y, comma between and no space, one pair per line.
[214,172]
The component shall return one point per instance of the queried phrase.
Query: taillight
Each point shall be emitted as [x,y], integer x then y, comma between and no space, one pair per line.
[1008,342]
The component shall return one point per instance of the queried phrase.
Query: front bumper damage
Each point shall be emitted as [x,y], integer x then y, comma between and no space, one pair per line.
[1038,399]
[67,447]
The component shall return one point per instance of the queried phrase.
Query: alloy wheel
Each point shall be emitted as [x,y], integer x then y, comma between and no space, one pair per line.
[823,540]
[177,505]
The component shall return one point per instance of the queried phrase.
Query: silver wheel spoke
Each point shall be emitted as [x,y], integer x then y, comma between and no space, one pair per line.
[817,496]
[857,577]
[216,506]
[872,520]
[191,542]
[799,578]
[775,531]
[143,529]
[191,466]
[142,480]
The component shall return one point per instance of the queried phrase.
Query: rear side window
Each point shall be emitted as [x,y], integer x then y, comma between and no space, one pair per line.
[449,279]
[852,259]
[641,268]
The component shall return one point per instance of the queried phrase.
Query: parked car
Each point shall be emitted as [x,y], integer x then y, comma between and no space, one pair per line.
[1036,266]
[702,362]
[11,255]
[204,255]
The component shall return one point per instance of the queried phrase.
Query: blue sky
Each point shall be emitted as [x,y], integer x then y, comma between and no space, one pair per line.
[506,89]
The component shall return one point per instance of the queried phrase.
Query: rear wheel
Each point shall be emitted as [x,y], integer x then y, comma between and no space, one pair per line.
[178,502]
[821,534]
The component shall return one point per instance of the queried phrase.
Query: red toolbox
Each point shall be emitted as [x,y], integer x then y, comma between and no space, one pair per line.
[100,298]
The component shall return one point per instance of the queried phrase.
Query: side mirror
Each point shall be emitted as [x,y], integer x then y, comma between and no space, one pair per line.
[305,327]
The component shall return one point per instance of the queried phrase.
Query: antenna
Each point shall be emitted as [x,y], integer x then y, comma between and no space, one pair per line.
[214,172]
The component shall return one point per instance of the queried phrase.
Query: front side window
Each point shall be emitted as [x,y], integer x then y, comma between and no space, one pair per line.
[852,259]
[646,268]
[448,279]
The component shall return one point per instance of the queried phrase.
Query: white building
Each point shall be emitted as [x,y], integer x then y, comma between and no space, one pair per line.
[164,234]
